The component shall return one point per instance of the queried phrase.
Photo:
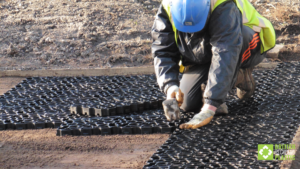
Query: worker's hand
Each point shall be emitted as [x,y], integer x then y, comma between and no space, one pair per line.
[175,93]
[199,120]
[171,109]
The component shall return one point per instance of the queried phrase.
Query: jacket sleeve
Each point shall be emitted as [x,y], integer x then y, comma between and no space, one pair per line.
[164,51]
[226,39]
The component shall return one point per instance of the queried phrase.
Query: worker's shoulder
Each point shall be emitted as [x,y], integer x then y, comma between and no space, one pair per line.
[226,6]
[225,16]
[229,7]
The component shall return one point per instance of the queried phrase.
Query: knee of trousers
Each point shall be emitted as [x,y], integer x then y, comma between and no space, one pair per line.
[192,104]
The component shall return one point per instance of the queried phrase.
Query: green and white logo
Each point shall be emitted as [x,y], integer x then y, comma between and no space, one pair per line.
[265,152]
[281,152]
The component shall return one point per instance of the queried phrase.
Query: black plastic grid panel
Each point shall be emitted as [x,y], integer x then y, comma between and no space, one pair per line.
[49,102]
[271,116]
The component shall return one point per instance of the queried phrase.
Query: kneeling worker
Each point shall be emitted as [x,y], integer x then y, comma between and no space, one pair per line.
[217,43]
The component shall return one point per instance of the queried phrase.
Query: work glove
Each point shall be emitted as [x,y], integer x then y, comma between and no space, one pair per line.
[171,109]
[172,103]
[199,120]
[175,92]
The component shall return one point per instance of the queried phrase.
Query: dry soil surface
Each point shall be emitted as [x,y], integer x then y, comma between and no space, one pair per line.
[36,34]
[43,149]
[72,33]
[7,83]
[285,18]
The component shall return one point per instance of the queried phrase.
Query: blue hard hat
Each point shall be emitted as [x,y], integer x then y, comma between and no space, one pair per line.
[190,15]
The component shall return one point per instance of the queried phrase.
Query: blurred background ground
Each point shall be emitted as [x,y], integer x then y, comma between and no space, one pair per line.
[53,34]
[43,149]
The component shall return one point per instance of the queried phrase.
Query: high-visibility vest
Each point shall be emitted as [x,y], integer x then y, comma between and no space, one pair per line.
[251,18]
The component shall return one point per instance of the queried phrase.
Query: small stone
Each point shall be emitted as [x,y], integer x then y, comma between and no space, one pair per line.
[102,44]
[86,52]
[262,1]
[108,65]
[34,39]
[50,26]
[50,6]
[89,35]
[27,27]
[65,42]
[35,49]
[27,38]
[48,40]
[22,45]
[11,50]
[274,52]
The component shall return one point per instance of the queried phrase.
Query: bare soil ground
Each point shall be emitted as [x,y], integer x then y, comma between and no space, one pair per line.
[43,149]
[296,163]
[285,18]
[7,83]
[54,34]
[75,33]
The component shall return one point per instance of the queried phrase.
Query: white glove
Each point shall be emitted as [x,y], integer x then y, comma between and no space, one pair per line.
[174,92]
[171,109]
[199,120]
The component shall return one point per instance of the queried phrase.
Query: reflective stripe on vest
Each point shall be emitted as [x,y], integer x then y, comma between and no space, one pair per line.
[167,7]
[251,18]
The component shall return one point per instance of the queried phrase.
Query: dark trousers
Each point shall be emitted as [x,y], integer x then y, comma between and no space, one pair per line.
[192,78]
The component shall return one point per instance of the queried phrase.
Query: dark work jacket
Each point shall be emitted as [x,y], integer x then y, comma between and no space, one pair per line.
[219,45]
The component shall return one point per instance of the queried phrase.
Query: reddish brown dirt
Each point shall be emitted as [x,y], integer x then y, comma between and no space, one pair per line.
[75,33]
[296,163]
[94,33]
[43,149]
[7,83]
[285,19]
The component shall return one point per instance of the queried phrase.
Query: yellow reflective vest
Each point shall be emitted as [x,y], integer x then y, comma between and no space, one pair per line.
[251,18]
